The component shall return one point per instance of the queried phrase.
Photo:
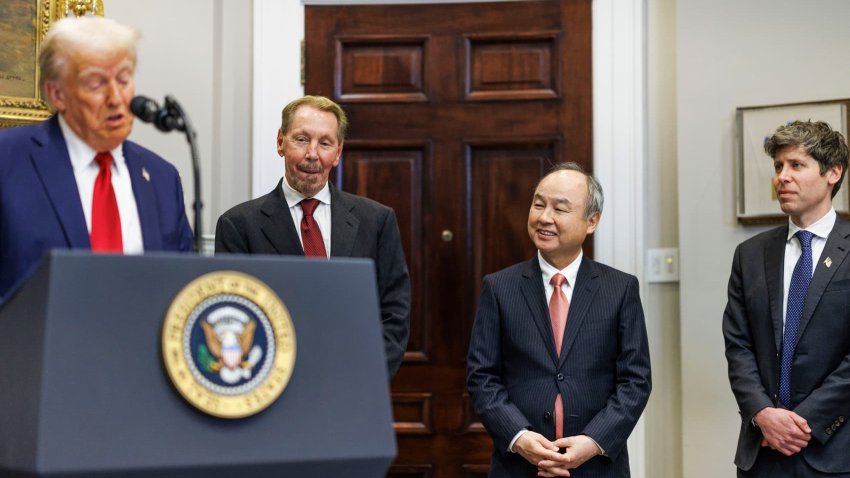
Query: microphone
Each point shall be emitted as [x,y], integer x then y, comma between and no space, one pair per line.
[169,118]
[165,119]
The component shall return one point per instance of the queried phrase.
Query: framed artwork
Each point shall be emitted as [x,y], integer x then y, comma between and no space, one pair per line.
[23,24]
[756,199]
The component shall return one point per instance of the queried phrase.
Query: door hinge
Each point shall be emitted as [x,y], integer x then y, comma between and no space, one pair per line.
[303,62]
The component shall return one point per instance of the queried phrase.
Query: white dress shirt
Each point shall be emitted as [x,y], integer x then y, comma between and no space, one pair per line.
[322,214]
[86,170]
[820,230]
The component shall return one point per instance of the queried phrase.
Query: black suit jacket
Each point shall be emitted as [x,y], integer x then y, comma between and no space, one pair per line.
[603,372]
[820,374]
[360,227]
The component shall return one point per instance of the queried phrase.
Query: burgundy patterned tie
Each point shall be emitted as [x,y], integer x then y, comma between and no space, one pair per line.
[558,308]
[311,236]
[105,233]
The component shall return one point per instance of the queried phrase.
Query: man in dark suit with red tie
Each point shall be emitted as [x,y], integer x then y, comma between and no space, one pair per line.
[559,357]
[74,181]
[787,319]
[307,215]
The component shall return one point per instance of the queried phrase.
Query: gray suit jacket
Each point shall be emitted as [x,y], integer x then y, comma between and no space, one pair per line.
[820,374]
[360,227]
[603,372]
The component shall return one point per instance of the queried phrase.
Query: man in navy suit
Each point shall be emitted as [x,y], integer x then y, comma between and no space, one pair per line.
[787,319]
[310,141]
[49,174]
[558,361]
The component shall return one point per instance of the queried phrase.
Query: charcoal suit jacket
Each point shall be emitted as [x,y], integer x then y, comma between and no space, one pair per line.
[360,227]
[40,207]
[602,373]
[820,372]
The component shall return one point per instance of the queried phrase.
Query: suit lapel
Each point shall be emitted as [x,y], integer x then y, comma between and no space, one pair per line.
[53,164]
[836,249]
[145,197]
[535,299]
[774,255]
[344,224]
[584,291]
[277,224]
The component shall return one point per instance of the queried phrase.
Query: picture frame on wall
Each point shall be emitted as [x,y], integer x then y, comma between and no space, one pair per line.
[756,199]
[23,25]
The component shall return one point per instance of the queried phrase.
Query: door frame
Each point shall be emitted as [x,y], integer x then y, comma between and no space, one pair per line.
[619,122]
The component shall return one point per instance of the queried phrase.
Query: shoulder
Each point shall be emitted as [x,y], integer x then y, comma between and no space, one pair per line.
[512,274]
[148,159]
[359,204]
[247,209]
[26,137]
[758,241]
[606,273]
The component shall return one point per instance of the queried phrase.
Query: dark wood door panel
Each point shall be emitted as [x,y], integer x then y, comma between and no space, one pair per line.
[456,111]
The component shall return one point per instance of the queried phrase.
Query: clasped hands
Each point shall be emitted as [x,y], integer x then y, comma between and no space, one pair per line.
[545,454]
[783,430]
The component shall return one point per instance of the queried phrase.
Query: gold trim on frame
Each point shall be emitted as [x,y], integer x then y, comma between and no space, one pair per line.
[17,110]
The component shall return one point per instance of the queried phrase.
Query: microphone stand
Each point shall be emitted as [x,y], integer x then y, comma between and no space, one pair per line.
[183,124]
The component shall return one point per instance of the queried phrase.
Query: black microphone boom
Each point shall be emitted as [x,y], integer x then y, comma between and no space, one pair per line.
[166,119]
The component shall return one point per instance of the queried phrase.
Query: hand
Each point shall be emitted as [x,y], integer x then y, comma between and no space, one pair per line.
[535,448]
[580,448]
[783,430]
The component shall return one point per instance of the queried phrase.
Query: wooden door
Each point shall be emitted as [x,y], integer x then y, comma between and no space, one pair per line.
[456,111]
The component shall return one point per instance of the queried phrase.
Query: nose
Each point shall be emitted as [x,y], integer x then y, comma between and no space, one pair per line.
[546,215]
[313,150]
[113,93]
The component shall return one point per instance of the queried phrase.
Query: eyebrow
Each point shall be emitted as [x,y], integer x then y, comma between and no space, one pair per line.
[557,200]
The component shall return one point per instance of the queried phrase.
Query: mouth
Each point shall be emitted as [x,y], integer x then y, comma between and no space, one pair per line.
[115,120]
[545,233]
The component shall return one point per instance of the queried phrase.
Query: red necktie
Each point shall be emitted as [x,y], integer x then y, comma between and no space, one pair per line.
[558,308]
[105,220]
[311,236]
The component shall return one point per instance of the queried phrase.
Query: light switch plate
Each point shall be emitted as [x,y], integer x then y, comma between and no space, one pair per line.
[662,265]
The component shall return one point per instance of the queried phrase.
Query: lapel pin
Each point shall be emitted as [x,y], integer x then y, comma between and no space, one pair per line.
[827,262]
[147,177]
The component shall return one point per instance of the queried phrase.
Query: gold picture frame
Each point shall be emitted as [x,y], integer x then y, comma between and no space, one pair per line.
[23,25]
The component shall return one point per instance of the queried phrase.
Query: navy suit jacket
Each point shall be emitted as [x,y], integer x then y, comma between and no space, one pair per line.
[603,372]
[360,227]
[820,372]
[40,206]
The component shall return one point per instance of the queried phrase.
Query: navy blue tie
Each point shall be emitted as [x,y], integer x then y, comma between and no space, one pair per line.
[800,280]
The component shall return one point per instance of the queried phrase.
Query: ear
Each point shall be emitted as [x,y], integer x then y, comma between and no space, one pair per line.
[592,222]
[56,95]
[280,140]
[833,174]
[338,155]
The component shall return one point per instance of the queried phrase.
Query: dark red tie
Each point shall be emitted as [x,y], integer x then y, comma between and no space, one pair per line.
[559,306]
[311,236]
[105,220]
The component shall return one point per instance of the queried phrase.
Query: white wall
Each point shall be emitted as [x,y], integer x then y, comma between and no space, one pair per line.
[733,53]
[198,51]
[661,230]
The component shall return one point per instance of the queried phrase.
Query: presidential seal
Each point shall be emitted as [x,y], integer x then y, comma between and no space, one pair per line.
[228,344]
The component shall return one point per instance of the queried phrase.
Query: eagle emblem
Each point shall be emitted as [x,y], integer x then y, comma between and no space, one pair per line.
[229,348]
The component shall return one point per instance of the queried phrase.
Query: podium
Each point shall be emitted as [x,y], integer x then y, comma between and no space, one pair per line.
[84,391]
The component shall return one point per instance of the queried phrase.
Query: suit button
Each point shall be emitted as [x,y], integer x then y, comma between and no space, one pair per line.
[841,419]
[547,416]
[828,431]
[560,377]
[833,427]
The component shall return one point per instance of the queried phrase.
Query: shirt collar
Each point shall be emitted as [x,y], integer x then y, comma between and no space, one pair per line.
[820,228]
[294,197]
[570,272]
[81,154]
